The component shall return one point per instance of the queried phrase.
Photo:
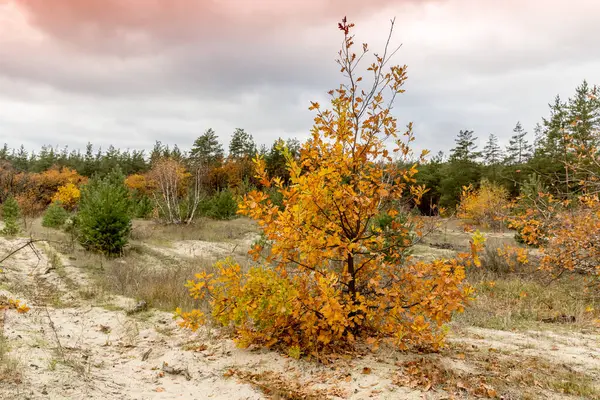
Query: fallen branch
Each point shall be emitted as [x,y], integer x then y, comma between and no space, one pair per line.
[30,243]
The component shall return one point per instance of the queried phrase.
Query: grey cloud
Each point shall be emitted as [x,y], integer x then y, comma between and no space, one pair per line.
[118,78]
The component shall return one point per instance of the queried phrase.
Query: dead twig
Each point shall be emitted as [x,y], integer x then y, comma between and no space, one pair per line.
[176,371]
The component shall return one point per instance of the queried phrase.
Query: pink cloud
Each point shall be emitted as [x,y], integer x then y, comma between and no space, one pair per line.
[89,23]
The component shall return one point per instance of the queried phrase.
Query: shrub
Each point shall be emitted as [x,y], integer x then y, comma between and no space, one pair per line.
[142,206]
[68,196]
[534,212]
[533,218]
[486,206]
[10,216]
[331,277]
[55,216]
[503,259]
[38,190]
[572,243]
[104,218]
[275,196]
[222,205]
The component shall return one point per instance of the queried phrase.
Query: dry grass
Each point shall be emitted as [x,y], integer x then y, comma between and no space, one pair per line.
[162,288]
[202,229]
[10,369]
[492,374]
[509,299]
[141,274]
[514,295]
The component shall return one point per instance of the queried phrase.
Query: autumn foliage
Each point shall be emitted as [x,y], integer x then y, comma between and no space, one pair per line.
[486,206]
[35,191]
[68,195]
[335,269]
[565,226]
[573,243]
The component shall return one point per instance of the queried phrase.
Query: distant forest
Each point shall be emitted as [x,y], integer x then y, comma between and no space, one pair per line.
[542,154]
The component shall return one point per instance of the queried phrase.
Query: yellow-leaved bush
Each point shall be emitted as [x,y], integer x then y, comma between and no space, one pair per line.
[336,269]
[68,195]
[486,206]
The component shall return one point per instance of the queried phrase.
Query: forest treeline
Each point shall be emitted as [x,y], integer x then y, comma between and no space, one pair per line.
[34,177]
[546,153]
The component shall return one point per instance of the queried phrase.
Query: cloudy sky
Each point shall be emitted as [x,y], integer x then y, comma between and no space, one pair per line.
[129,72]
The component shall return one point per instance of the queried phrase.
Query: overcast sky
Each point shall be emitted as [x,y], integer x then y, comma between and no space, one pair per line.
[131,72]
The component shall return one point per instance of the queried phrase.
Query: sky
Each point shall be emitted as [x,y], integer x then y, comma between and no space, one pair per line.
[128,73]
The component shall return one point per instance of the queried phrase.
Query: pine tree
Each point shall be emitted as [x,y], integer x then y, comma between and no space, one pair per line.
[465,149]
[519,150]
[10,216]
[461,170]
[4,153]
[538,141]
[241,145]
[176,153]
[583,113]
[275,158]
[104,217]
[207,151]
[21,161]
[46,159]
[157,152]
[55,216]
[492,153]
[89,165]
[555,127]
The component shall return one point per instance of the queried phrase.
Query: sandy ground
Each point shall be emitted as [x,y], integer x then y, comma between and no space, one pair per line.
[205,249]
[68,347]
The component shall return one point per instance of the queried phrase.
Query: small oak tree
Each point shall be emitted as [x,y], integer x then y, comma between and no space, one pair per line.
[336,269]
[566,225]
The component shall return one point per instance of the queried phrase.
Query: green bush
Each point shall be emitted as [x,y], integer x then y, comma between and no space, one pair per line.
[399,233]
[55,216]
[104,218]
[142,206]
[275,196]
[223,205]
[10,216]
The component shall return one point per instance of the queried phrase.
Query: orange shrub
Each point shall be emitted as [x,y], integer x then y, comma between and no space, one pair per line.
[140,183]
[573,240]
[533,217]
[37,190]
